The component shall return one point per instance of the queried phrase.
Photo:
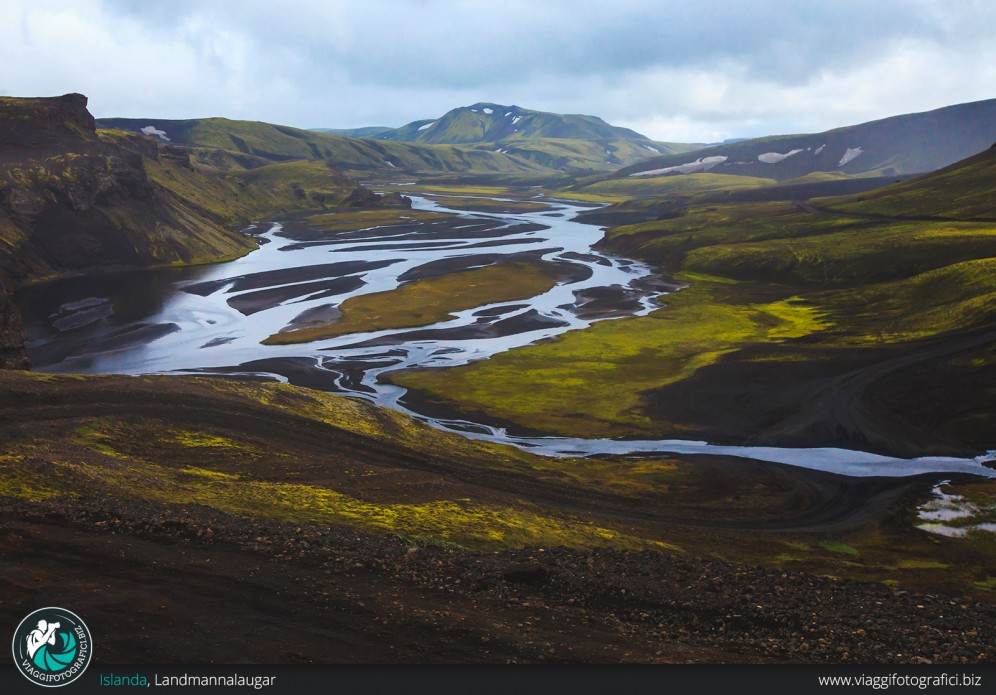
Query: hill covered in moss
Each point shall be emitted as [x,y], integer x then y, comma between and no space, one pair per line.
[77,199]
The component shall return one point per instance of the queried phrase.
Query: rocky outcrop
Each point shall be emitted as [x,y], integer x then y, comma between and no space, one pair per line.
[365,198]
[41,122]
[72,200]
[12,353]
[76,200]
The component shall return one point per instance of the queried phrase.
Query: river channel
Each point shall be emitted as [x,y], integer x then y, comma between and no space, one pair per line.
[212,319]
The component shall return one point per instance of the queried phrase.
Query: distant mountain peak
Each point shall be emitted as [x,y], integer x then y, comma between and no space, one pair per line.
[488,121]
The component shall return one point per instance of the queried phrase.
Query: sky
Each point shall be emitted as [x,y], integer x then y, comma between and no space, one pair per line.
[674,70]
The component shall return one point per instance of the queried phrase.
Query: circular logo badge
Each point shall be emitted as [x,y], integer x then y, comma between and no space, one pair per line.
[52,647]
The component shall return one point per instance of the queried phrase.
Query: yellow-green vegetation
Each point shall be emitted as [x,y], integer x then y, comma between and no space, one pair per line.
[424,302]
[247,472]
[857,253]
[240,145]
[465,522]
[367,421]
[575,154]
[838,547]
[960,191]
[189,226]
[137,457]
[18,479]
[289,186]
[591,383]
[894,553]
[451,189]
[945,299]
[762,276]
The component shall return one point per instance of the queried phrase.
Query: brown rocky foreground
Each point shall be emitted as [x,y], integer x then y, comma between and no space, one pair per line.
[191,585]
[160,581]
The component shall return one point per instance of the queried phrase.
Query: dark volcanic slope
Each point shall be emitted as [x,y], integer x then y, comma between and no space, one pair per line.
[314,594]
[911,143]
[157,530]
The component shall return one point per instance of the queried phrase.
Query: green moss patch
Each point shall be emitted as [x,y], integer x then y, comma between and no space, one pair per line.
[591,383]
[429,301]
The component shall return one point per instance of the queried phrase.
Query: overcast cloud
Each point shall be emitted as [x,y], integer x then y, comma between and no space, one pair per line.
[689,70]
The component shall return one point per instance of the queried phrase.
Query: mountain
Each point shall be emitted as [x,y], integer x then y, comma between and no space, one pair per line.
[73,197]
[962,191]
[241,145]
[569,143]
[907,144]
[486,122]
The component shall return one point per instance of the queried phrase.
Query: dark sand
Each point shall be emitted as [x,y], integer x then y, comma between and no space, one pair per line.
[261,300]
[255,281]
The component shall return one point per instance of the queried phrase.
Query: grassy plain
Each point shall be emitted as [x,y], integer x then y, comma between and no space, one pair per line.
[766,281]
[428,301]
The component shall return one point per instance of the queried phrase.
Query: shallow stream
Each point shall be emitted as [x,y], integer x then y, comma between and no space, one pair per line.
[212,319]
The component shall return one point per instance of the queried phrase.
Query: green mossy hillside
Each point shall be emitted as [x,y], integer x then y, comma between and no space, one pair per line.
[822,294]
[274,451]
[962,191]
[230,145]
[591,383]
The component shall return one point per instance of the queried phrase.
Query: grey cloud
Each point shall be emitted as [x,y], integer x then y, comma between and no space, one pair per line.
[436,44]
[764,64]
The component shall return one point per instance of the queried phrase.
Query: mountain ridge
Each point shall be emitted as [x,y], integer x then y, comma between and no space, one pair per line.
[250,144]
[490,122]
[903,144]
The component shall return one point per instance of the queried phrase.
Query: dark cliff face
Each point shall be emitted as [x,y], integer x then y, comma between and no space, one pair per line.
[28,127]
[74,200]
[45,121]
[12,354]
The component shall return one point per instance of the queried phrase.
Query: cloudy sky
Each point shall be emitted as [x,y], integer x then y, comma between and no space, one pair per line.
[679,70]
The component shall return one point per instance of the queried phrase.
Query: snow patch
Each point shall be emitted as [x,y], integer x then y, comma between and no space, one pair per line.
[701,164]
[819,149]
[851,153]
[775,157]
[652,149]
[489,111]
[516,120]
[508,114]
[390,163]
[427,125]
[152,130]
